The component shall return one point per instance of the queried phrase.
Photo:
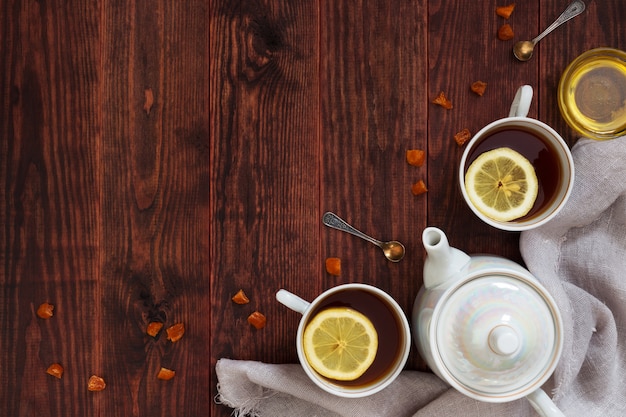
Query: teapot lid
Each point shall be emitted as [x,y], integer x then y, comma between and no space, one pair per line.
[497,336]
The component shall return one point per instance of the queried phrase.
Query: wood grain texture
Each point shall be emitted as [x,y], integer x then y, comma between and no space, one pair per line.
[265,169]
[50,129]
[101,204]
[155,206]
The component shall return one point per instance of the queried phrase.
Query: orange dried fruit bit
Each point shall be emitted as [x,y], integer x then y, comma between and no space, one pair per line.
[415,157]
[419,188]
[154,327]
[333,266]
[505,11]
[505,32]
[166,374]
[443,101]
[45,311]
[95,383]
[479,87]
[175,332]
[147,105]
[240,298]
[55,370]
[257,319]
[462,137]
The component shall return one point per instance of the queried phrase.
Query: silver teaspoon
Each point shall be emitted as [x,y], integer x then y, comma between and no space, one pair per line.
[523,50]
[393,250]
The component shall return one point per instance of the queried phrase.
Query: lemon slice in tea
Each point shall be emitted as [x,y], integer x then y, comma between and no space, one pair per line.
[502,184]
[340,343]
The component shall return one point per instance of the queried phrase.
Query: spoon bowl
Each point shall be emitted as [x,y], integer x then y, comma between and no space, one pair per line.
[523,50]
[393,250]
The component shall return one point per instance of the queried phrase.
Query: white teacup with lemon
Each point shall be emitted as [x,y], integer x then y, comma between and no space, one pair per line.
[517,172]
[353,340]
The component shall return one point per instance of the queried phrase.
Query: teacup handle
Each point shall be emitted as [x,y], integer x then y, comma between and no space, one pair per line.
[292,301]
[521,102]
[543,404]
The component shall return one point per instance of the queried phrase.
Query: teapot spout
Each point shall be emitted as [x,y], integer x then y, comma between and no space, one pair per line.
[443,262]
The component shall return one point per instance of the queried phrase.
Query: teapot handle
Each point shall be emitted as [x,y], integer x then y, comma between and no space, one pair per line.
[543,405]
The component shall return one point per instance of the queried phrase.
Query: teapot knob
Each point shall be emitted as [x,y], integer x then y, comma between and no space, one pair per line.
[503,340]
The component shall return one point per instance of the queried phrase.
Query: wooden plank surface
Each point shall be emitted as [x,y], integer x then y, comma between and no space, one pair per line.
[155,158]
[50,170]
[154,245]
[103,200]
[265,174]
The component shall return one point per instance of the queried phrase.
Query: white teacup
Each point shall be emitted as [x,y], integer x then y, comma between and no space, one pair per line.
[394,338]
[541,145]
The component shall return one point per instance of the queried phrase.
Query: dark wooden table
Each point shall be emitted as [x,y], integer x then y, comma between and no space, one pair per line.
[157,156]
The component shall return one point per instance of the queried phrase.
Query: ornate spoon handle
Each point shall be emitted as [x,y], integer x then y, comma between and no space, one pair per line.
[573,10]
[336,222]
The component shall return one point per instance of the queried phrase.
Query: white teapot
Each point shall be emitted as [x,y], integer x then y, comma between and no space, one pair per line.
[486,326]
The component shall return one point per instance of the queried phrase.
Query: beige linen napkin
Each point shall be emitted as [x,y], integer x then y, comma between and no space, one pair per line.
[580,256]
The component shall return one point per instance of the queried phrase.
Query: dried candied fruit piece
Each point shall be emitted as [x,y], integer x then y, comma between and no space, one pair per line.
[240,298]
[505,11]
[419,188]
[462,137]
[96,383]
[415,157]
[154,327]
[257,319]
[56,370]
[333,266]
[443,101]
[147,105]
[175,332]
[45,311]
[478,87]
[505,32]
[166,374]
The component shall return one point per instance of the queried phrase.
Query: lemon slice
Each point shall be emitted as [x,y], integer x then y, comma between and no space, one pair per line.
[502,184]
[340,343]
